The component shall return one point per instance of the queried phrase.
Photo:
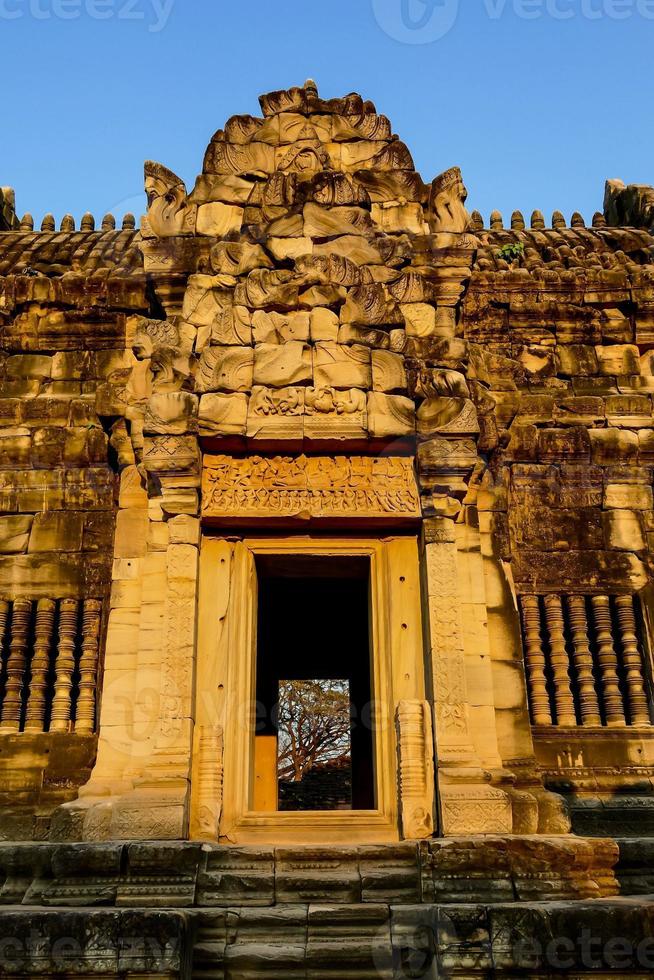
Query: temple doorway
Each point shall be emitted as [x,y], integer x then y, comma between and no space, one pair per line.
[311,721]
[314,742]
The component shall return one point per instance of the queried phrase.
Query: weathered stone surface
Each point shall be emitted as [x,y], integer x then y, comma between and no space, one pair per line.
[219,220]
[225,369]
[336,366]
[390,415]
[323,325]
[56,531]
[15,533]
[278,366]
[171,413]
[223,414]
[625,496]
[275,328]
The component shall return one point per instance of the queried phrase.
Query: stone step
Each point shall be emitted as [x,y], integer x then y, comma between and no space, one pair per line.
[618,816]
[178,874]
[635,868]
[608,937]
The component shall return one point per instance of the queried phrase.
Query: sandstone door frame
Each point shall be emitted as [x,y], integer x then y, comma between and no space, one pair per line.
[225,690]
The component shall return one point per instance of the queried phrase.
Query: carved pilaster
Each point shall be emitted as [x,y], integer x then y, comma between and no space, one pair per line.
[416,769]
[209,789]
[65,666]
[43,636]
[159,805]
[16,663]
[447,649]
[535,662]
[467,803]
[85,714]
[565,706]
[608,660]
[177,665]
[633,662]
[588,700]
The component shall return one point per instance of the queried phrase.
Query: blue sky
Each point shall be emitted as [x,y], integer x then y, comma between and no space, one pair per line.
[538,101]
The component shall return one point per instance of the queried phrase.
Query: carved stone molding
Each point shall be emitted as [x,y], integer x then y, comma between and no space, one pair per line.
[416,769]
[305,488]
[209,792]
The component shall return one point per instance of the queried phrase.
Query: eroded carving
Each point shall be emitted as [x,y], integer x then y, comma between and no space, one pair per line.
[168,210]
[306,488]
[447,211]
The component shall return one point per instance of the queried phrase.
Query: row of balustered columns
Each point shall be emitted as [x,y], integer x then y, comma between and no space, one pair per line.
[584,661]
[50,665]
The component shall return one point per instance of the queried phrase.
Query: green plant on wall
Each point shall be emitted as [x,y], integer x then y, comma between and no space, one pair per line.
[512,251]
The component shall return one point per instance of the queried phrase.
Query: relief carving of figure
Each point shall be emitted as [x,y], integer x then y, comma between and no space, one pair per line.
[165,345]
[320,399]
[284,401]
[328,400]
[316,485]
[288,473]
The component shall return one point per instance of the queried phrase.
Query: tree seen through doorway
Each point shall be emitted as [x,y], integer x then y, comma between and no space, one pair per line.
[314,762]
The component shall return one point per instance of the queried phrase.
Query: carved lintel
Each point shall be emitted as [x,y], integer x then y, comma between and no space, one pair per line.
[305,488]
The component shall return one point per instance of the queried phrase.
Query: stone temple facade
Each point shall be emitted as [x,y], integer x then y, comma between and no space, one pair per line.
[313,420]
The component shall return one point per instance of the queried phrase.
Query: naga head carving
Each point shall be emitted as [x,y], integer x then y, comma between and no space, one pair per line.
[168,207]
[447,212]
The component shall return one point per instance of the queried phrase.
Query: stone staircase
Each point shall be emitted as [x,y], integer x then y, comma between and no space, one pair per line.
[464,907]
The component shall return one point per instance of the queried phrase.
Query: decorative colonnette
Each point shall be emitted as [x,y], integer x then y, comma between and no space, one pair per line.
[49,665]
[585,661]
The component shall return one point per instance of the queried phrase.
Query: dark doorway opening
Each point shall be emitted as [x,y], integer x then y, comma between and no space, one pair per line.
[314,682]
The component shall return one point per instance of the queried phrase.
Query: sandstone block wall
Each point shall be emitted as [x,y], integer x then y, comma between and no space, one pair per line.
[63,370]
